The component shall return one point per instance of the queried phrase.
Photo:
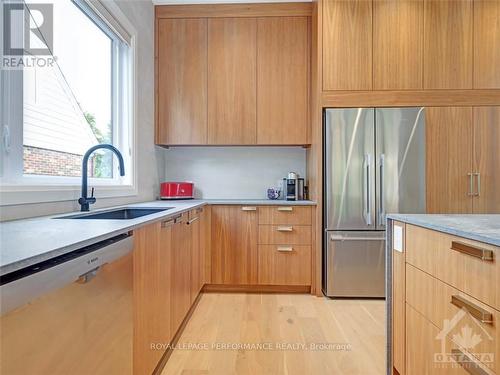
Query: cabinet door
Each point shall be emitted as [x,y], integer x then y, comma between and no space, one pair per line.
[449,159]
[182,82]
[205,236]
[398,44]
[180,272]
[347,45]
[194,232]
[232,81]
[486,44]
[234,245]
[283,84]
[398,300]
[487,160]
[152,251]
[448,44]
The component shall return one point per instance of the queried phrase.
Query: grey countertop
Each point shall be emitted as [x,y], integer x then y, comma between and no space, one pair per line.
[483,228]
[30,241]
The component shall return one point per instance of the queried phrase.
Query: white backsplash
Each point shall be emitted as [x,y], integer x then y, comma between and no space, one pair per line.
[233,172]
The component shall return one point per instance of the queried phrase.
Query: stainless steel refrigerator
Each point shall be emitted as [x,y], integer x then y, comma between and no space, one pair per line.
[374,162]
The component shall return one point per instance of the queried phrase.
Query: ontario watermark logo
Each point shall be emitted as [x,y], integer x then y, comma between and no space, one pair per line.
[28,35]
[470,336]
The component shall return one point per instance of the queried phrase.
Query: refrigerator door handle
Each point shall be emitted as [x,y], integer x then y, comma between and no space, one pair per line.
[337,237]
[382,192]
[367,199]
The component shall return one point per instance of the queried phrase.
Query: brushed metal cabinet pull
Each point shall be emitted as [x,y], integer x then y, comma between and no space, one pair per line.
[476,252]
[167,223]
[477,312]
[285,209]
[467,362]
[284,229]
[478,175]
[248,208]
[471,184]
[192,220]
[285,248]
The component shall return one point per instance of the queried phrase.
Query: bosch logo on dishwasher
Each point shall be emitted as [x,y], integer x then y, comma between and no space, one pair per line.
[92,260]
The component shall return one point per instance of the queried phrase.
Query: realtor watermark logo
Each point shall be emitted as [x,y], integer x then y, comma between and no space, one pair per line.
[467,334]
[28,35]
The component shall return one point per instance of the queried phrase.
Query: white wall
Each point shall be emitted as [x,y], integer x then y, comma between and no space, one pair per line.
[150,162]
[233,172]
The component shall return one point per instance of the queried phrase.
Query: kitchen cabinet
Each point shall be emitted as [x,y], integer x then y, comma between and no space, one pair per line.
[180,271]
[205,214]
[448,44]
[234,245]
[282,80]
[152,257]
[486,155]
[347,45]
[398,44]
[449,159]
[232,77]
[463,159]
[181,82]
[398,301]
[197,264]
[486,44]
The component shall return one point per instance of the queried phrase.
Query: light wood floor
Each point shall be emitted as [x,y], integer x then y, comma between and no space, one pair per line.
[285,320]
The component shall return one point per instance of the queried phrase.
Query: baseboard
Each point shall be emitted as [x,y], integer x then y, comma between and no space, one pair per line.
[163,361]
[223,288]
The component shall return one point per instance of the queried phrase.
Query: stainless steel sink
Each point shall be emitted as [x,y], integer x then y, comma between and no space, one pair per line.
[118,214]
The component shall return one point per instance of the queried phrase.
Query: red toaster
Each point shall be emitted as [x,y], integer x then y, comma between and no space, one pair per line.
[176,190]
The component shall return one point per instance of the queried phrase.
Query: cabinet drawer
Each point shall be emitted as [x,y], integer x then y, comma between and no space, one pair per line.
[284,265]
[428,354]
[455,261]
[433,299]
[284,235]
[275,215]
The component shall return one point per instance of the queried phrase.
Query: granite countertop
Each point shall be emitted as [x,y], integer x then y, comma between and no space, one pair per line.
[30,241]
[483,228]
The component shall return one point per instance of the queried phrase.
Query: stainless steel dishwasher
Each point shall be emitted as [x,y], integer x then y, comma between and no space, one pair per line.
[71,314]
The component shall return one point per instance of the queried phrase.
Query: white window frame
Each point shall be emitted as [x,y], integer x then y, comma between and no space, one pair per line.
[17,188]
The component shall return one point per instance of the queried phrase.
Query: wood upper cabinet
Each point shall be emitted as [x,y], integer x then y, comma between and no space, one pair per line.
[234,245]
[152,294]
[180,274]
[449,159]
[181,81]
[347,45]
[397,44]
[448,44]
[486,44]
[232,80]
[282,80]
[487,160]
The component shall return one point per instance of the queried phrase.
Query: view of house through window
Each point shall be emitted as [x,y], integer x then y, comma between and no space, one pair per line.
[68,107]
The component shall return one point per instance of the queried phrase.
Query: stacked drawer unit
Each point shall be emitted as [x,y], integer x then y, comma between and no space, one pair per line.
[284,245]
[452,304]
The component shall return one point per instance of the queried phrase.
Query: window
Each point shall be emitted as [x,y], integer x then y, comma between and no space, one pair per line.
[58,110]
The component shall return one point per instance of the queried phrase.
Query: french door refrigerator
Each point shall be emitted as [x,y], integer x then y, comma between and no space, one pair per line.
[374,164]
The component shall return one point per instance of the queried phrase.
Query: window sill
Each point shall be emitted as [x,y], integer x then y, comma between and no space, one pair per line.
[31,194]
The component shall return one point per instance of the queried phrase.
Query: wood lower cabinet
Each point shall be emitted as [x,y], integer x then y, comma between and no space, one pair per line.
[445,304]
[152,293]
[283,80]
[285,264]
[234,245]
[180,272]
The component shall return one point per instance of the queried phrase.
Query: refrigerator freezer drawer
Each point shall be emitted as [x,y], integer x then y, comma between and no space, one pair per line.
[355,264]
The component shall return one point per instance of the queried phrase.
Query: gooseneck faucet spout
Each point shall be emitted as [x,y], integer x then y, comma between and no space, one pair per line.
[85,201]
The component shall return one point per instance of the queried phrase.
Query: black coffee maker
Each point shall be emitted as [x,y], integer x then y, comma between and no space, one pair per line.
[293,187]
